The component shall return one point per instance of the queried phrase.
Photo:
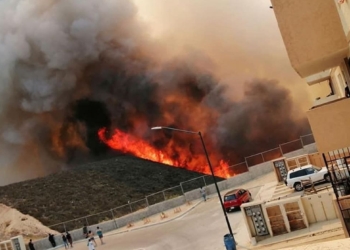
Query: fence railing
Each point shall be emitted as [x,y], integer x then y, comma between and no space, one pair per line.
[183,187]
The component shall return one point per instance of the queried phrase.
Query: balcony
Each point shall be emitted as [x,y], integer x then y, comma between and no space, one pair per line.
[312,33]
[319,77]
[330,123]
[325,100]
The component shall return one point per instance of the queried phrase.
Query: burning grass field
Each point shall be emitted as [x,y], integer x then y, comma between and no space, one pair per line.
[93,188]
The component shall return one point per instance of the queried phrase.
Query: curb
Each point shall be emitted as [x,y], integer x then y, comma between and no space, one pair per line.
[158,223]
[138,228]
[307,235]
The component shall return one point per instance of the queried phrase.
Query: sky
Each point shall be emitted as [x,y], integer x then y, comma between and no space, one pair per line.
[240,40]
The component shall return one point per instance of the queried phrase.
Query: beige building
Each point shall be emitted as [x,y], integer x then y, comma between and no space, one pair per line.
[316,34]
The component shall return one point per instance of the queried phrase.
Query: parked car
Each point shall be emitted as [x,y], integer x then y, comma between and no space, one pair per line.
[235,198]
[316,174]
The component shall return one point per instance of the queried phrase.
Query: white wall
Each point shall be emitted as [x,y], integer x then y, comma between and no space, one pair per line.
[338,82]
[344,13]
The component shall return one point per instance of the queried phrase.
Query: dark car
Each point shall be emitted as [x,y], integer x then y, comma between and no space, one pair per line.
[235,198]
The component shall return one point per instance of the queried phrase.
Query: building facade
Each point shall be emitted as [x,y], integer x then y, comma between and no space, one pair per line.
[316,34]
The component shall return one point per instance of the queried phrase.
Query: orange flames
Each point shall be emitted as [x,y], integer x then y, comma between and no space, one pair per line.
[131,144]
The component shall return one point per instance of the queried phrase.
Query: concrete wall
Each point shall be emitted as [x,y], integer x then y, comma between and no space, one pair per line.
[319,207]
[254,172]
[308,149]
[260,169]
[166,205]
[312,33]
[338,81]
[311,208]
[44,244]
[311,148]
[316,159]
[330,125]
[344,13]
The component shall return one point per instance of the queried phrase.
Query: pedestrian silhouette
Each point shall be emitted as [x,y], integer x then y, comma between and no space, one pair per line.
[203,193]
[69,238]
[65,242]
[31,245]
[52,240]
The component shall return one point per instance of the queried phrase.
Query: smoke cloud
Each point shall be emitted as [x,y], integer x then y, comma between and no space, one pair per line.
[68,69]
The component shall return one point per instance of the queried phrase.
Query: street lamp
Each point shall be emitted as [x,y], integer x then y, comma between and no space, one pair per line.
[210,166]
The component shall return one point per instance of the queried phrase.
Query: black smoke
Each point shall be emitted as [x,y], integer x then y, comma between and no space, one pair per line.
[94,115]
[71,68]
[185,97]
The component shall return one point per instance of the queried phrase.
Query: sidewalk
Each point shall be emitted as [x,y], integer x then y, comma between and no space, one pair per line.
[320,232]
[341,244]
[158,219]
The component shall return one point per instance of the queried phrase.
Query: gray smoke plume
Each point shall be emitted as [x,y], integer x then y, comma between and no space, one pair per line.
[70,68]
[45,46]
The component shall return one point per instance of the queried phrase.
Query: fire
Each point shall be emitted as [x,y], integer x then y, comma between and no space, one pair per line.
[131,144]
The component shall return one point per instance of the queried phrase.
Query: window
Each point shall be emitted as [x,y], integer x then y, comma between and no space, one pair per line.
[230,197]
[299,173]
[341,81]
[310,171]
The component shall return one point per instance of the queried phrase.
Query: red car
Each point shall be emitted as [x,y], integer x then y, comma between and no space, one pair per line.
[235,198]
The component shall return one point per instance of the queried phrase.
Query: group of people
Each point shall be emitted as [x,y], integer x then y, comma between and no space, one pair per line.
[67,240]
[91,237]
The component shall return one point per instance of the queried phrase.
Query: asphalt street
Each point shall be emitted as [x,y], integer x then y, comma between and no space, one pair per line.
[201,228]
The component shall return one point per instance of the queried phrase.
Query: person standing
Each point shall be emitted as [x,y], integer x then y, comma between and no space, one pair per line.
[92,238]
[203,193]
[85,231]
[91,245]
[69,238]
[100,234]
[52,240]
[31,245]
[65,243]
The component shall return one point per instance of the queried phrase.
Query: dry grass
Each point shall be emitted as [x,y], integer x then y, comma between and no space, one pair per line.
[91,188]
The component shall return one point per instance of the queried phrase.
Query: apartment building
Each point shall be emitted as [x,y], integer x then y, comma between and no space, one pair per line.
[316,34]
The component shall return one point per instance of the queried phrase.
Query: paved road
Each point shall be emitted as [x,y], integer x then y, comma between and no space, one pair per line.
[202,228]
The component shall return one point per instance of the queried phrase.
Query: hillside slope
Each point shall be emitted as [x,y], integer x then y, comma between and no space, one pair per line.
[13,223]
[96,187]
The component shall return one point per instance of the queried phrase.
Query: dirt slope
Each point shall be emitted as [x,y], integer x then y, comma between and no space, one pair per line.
[13,223]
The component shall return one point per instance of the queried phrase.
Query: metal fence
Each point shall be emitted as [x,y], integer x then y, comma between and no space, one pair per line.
[338,166]
[183,187]
[282,149]
[239,168]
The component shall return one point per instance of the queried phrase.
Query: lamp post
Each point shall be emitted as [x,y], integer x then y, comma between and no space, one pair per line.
[210,166]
